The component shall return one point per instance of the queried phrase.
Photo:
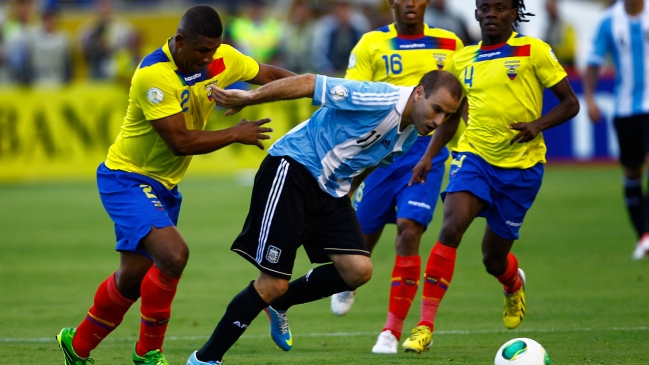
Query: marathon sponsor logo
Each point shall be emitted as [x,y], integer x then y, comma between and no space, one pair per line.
[412,46]
[192,77]
[490,54]
[513,224]
[419,204]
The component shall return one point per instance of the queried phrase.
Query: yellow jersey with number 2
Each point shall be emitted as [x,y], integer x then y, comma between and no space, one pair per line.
[158,90]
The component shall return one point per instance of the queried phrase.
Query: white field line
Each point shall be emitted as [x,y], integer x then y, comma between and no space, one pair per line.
[352,334]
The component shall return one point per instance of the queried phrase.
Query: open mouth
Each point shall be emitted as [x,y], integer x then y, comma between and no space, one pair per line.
[410,15]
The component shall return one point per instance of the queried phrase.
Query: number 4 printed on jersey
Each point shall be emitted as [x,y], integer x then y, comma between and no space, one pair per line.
[468,76]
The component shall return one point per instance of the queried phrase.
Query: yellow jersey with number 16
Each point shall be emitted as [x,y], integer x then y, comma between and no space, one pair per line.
[158,90]
[504,84]
[384,55]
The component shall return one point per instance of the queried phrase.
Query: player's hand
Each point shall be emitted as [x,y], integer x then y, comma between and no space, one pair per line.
[594,113]
[527,132]
[420,171]
[233,99]
[252,132]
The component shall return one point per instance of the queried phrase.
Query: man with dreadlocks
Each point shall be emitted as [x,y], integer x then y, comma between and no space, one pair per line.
[497,166]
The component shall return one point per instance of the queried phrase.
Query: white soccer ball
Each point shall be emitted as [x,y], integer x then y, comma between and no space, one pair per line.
[522,351]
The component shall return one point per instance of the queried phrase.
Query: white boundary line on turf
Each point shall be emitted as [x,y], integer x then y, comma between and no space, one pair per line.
[350,334]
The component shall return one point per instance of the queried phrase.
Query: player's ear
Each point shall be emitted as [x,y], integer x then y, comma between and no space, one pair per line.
[475,14]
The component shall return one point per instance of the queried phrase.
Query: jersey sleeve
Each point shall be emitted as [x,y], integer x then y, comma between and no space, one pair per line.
[547,67]
[601,43]
[238,67]
[360,62]
[352,95]
[155,93]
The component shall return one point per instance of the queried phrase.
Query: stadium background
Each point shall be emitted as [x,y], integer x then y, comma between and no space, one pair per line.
[587,301]
[64,131]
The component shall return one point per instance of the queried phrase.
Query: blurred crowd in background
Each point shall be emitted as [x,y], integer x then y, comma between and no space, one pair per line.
[104,44]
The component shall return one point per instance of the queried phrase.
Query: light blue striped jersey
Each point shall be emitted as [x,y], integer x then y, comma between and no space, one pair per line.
[356,127]
[626,38]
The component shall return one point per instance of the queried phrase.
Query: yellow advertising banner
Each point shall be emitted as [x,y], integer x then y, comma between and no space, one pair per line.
[65,133]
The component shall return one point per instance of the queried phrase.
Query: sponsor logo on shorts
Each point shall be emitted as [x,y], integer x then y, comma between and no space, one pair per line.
[386,143]
[273,254]
[513,224]
[419,204]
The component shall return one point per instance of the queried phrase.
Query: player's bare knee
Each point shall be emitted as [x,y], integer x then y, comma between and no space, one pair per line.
[451,234]
[358,274]
[174,263]
[270,288]
[494,265]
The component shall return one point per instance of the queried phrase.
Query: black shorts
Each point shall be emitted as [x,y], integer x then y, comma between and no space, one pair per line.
[633,137]
[287,210]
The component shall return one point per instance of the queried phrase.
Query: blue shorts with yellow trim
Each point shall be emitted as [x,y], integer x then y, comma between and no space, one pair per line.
[385,195]
[135,203]
[508,193]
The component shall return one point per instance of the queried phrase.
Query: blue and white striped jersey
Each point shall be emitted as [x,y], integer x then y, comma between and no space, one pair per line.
[626,38]
[356,127]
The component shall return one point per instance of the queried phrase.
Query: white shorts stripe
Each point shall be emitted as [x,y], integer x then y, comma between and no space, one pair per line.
[271,204]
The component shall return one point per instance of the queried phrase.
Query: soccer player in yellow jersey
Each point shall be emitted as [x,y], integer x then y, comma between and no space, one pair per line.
[498,163]
[400,53]
[169,103]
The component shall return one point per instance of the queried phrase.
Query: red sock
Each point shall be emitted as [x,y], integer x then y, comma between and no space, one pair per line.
[105,315]
[439,272]
[510,279]
[157,292]
[405,281]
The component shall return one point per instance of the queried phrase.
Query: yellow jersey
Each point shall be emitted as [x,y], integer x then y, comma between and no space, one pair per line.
[504,83]
[384,55]
[158,90]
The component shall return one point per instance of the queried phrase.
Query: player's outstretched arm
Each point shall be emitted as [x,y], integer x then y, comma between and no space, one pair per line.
[182,141]
[289,88]
[568,107]
[443,134]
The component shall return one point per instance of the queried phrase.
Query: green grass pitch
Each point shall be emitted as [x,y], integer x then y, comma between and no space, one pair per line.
[588,302]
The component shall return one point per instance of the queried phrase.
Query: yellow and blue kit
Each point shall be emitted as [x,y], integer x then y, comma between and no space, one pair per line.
[504,84]
[138,181]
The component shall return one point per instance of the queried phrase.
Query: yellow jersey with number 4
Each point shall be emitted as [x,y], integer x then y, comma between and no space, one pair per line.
[158,90]
[384,55]
[504,84]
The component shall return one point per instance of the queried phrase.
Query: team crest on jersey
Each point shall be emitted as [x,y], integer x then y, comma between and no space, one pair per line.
[339,93]
[440,58]
[273,254]
[512,67]
[154,95]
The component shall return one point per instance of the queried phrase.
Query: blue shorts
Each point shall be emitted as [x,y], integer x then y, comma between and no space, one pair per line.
[135,203]
[385,195]
[508,193]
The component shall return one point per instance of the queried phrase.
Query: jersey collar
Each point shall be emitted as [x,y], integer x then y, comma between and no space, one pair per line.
[167,51]
[496,46]
[418,36]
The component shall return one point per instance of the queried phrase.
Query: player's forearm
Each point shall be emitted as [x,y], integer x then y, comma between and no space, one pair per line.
[289,88]
[197,142]
[590,82]
[567,109]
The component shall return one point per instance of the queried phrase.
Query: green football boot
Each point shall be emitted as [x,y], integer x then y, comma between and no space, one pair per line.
[153,357]
[65,343]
